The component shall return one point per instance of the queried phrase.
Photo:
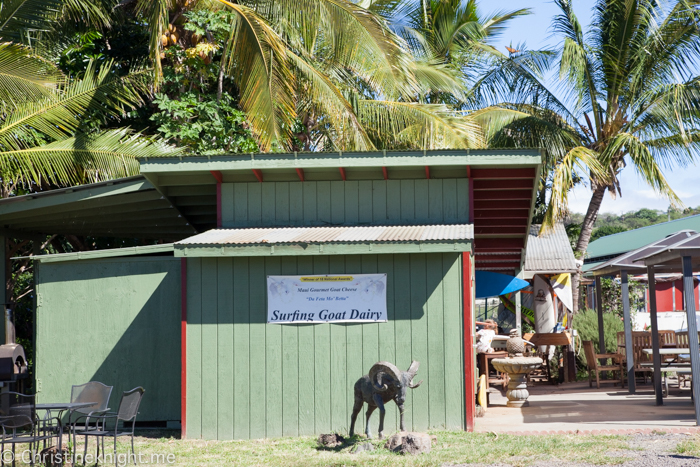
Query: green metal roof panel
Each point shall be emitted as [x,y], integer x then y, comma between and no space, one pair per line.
[453,157]
[99,254]
[623,242]
[126,207]
[549,253]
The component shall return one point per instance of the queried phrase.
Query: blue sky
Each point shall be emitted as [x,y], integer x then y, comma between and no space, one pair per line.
[534,30]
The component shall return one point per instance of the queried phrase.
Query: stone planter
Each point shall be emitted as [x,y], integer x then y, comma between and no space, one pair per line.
[517,369]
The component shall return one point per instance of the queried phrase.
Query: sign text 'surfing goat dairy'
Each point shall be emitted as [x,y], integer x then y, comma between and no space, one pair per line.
[356,298]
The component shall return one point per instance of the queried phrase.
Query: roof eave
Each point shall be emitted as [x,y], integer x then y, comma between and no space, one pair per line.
[322,248]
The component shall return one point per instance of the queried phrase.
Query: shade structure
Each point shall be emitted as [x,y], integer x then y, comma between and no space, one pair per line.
[683,256]
[492,284]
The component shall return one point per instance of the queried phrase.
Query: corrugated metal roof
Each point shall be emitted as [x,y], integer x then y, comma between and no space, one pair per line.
[99,254]
[549,253]
[632,259]
[623,242]
[398,233]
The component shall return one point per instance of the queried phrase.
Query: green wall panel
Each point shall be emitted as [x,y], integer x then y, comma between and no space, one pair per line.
[116,321]
[345,203]
[248,379]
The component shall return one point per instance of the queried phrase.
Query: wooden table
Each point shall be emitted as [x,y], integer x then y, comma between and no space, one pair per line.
[484,359]
[548,339]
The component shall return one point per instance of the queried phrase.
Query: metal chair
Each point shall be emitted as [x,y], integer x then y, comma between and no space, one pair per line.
[20,424]
[127,411]
[95,392]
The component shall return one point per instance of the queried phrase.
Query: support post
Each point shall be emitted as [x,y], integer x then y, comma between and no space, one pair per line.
[629,345]
[469,356]
[689,294]
[599,308]
[519,312]
[4,271]
[219,180]
[655,335]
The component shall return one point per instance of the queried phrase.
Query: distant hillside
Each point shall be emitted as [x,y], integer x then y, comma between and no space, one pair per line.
[608,224]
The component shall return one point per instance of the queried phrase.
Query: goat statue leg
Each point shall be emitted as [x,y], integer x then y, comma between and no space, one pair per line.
[382,411]
[355,410]
[370,409]
[401,409]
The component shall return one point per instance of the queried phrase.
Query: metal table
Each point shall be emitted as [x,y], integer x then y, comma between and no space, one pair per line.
[59,408]
[671,366]
[667,351]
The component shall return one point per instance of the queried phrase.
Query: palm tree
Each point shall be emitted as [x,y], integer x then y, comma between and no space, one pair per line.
[631,97]
[445,32]
[330,66]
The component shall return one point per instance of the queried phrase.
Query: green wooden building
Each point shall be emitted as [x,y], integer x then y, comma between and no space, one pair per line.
[187,319]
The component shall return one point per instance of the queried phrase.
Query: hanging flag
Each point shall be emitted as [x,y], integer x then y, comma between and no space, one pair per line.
[561,284]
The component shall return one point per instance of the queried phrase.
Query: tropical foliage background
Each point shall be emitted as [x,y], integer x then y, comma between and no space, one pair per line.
[87,86]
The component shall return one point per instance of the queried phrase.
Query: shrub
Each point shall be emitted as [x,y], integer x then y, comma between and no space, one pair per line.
[612,296]
[586,323]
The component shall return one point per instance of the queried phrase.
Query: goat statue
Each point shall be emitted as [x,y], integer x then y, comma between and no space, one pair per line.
[384,383]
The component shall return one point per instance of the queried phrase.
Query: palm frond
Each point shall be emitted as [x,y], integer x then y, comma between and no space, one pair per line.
[539,128]
[21,19]
[494,119]
[353,36]
[25,76]
[84,158]
[419,126]
[644,163]
[259,64]
[59,116]
[324,94]
[578,161]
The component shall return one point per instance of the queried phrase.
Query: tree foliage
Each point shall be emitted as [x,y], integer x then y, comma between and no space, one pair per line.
[323,74]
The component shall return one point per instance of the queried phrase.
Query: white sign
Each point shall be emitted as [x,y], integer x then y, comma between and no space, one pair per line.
[357,298]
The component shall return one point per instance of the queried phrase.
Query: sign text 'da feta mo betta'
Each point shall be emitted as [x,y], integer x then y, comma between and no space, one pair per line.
[356,298]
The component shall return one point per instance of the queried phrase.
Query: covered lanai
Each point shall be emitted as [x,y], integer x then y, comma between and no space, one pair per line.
[684,256]
[624,265]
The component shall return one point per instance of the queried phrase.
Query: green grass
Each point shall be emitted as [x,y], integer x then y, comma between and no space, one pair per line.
[689,447]
[453,447]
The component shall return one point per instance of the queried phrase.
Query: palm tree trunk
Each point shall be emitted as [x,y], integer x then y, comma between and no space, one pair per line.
[585,237]
[589,221]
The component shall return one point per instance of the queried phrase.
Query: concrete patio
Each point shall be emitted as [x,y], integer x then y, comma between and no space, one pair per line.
[576,407]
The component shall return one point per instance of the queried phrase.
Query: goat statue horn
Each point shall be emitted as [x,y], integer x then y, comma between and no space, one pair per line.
[413,369]
[381,371]
[414,386]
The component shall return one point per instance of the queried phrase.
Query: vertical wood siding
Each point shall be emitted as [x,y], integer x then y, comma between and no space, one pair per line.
[248,379]
[115,321]
[379,202]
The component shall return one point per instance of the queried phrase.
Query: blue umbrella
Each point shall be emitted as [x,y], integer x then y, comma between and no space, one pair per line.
[492,284]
